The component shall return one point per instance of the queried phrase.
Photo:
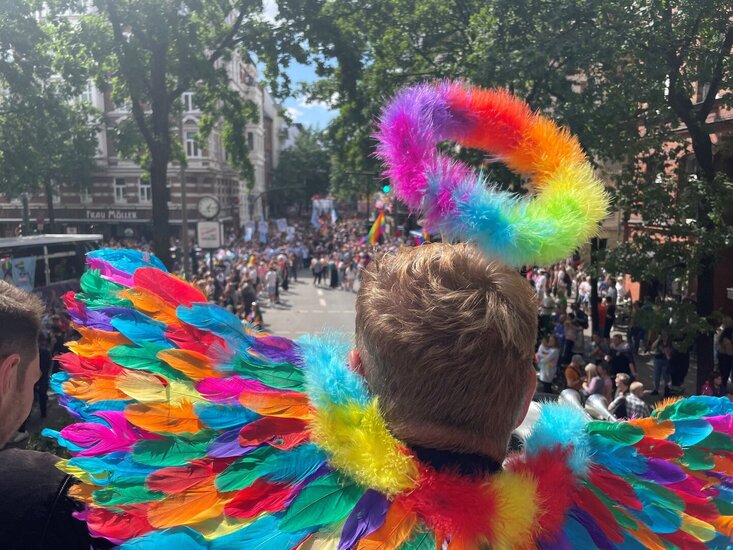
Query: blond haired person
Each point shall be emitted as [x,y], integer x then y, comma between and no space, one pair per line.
[445,339]
[593,382]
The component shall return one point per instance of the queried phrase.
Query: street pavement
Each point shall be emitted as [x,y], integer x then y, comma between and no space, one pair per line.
[307,309]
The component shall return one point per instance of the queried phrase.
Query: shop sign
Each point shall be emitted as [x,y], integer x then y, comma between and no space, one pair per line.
[112,214]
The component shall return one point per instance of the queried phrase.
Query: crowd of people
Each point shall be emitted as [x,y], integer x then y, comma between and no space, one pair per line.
[605,361]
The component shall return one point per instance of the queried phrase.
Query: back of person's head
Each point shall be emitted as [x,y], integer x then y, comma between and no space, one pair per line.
[637,388]
[446,339]
[591,370]
[20,323]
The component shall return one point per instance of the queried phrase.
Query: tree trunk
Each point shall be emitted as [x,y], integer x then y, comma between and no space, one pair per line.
[161,215]
[48,190]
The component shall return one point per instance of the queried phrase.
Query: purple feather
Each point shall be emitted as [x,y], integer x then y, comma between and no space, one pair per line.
[596,533]
[367,516]
[561,542]
[663,472]
[227,445]
[276,349]
[91,319]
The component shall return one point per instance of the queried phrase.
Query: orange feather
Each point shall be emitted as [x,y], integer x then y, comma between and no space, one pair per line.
[164,417]
[280,404]
[191,363]
[151,305]
[396,529]
[95,342]
[654,428]
[94,389]
[189,508]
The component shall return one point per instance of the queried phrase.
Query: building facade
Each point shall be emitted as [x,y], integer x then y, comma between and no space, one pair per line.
[118,201]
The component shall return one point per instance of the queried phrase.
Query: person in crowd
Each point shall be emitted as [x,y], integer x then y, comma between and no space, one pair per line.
[618,405]
[714,386]
[602,369]
[593,383]
[662,350]
[725,353]
[610,316]
[271,285]
[570,330]
[636,331]
[546,358]
[584,292]
[599,349]
[620,357]
[574,373]
[35,509]
[633,401]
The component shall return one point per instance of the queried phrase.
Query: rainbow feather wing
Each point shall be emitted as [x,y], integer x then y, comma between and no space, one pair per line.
[661,482]
[192,431]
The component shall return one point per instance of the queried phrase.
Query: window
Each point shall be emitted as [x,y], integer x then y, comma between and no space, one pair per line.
[145,191]
[192,148]
[120,190]
[87,96]
[85,196]
[188,104]
[250,141]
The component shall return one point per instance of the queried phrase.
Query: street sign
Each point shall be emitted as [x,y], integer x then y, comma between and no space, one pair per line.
[208,234]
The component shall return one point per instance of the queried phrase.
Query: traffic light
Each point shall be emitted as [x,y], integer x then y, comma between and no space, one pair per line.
[385,189]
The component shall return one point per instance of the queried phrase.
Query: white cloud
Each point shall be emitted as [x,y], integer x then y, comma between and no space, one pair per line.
[269,10]
[294,113]
[304,103]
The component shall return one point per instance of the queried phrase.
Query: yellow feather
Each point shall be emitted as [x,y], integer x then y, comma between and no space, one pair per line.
[318,541]
[223,525]
[699,529]
[361,446]
[516,510]
[94,343]
[143,387]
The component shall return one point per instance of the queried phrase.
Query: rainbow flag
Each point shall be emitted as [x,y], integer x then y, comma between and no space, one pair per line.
[377,229]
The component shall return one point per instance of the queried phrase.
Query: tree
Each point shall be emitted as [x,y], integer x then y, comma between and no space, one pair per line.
[303,171]
[46,138]
[45,142]
[147,53]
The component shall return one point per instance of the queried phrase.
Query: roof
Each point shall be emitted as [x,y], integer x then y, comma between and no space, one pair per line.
[40,240]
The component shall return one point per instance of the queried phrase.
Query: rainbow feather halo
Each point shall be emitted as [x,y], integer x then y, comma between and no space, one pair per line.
[569,203]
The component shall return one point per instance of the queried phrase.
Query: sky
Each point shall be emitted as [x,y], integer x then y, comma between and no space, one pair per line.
[317,114]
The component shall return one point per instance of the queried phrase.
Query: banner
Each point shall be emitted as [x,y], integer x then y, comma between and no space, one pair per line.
[24,272]
[314,217]
[291,234]
[282,225]
[249,231]
[262,229]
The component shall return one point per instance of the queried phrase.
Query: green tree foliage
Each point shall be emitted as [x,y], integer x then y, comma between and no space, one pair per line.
[303,171]
[47,139]
[146,53]
[624,76]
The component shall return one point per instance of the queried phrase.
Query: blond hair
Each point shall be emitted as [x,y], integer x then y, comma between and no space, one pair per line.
[591,370]
[446,339]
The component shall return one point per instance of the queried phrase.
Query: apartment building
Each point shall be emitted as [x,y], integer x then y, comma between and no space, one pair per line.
[118,202]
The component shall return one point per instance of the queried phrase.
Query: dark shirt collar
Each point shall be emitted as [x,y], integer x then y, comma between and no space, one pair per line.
[466,464]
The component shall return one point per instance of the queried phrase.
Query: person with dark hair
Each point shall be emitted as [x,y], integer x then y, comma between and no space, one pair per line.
[725,354]
[35,510]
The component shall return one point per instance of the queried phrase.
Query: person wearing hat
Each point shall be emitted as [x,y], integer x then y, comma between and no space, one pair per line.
[574,373]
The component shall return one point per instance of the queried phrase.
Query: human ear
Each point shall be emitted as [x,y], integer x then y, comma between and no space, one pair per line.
[9,373]
[355,363]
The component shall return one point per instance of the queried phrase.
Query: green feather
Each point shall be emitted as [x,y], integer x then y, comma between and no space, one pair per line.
[99,292]
[245,471]
[662,496]
[725,507]
[423,540]
[283,376]
[144,358]
[121,495]
[327,500]
[717,441]
[698,459]
[684,409]
[619,432]
[172,451]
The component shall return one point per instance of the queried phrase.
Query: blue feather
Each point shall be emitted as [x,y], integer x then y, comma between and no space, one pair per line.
[328,373]
[657,518]
[263,534]
[223,417]
[126,260]
[178,538]
[86,411]
[624,461]
[61,440]
[140,329]
[561,425]
[215,319]
[293,466]
[690,432]
[57,381]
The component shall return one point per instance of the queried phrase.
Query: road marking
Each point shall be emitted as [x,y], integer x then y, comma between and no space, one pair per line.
[322,302]
[319,292]
[317,311]
[349,311]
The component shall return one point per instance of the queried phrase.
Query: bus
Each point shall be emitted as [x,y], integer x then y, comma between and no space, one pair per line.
[48,265]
